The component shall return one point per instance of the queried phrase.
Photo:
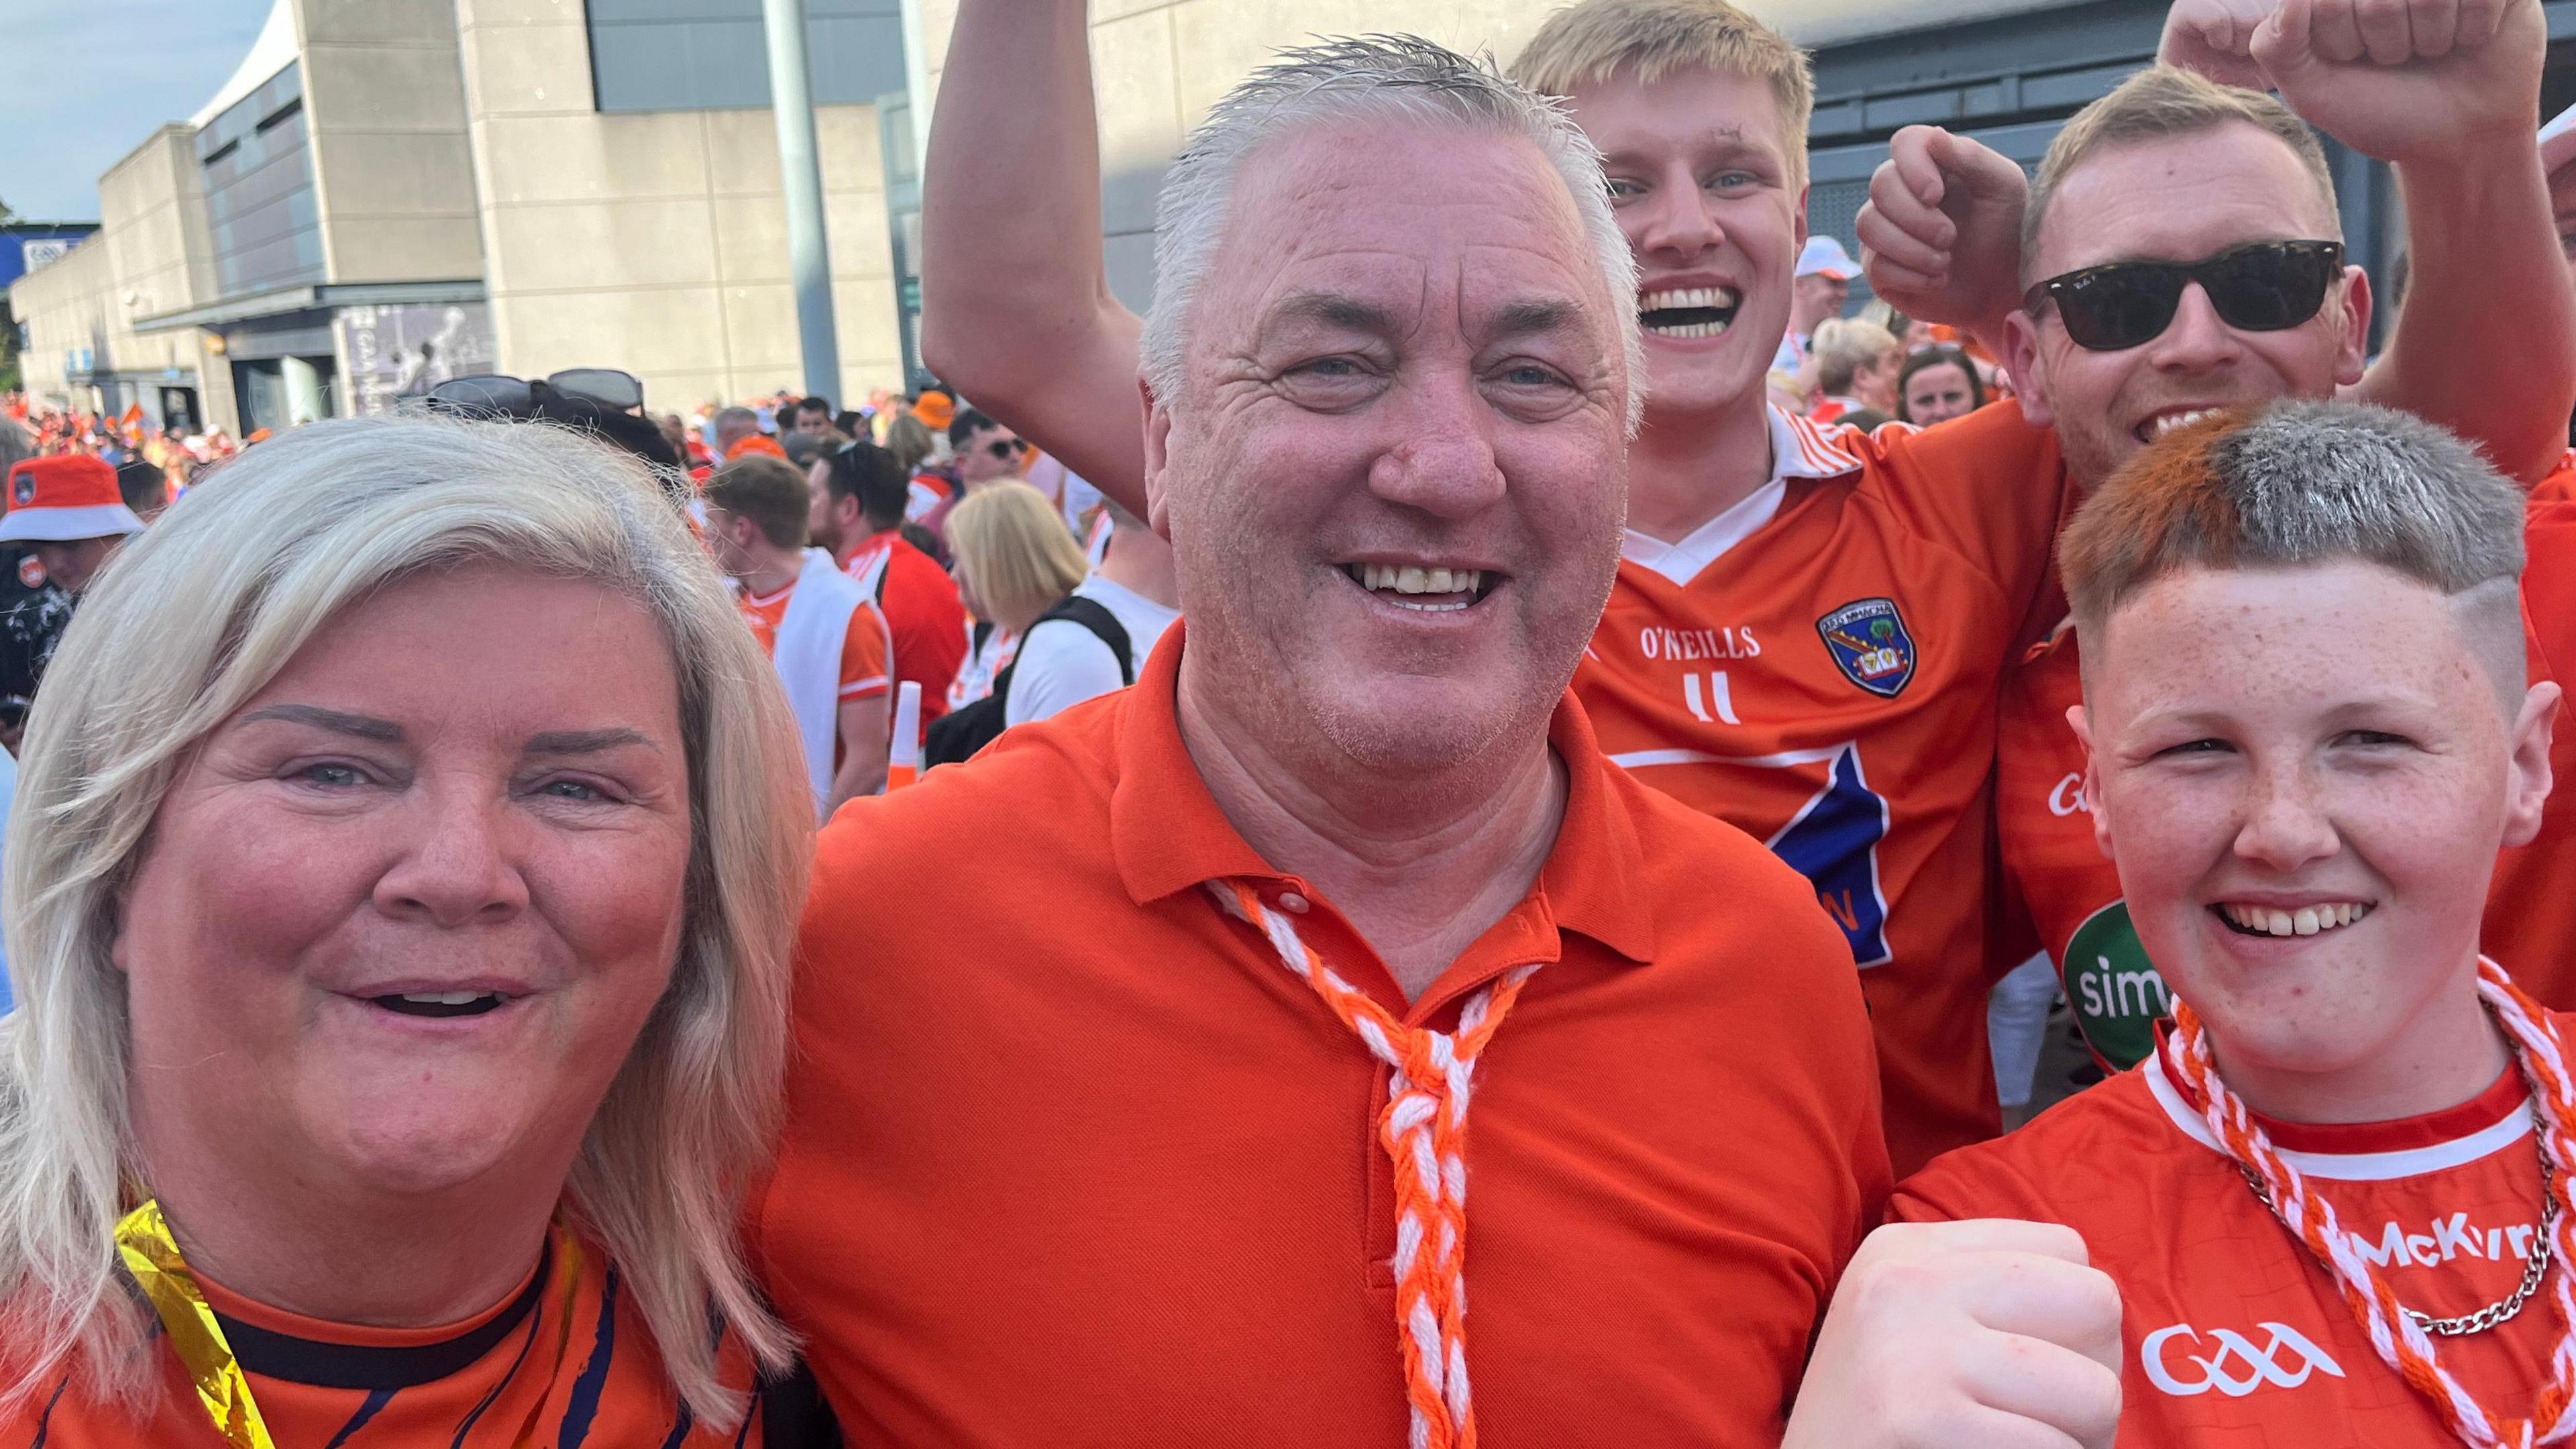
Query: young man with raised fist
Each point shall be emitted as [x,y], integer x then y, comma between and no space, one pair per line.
[2334,1197]
[2182,251]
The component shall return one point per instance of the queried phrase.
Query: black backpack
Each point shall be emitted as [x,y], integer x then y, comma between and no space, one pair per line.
[955,736]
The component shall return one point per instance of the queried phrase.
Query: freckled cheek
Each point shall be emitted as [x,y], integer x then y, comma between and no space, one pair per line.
[2168,834]
[2425,838]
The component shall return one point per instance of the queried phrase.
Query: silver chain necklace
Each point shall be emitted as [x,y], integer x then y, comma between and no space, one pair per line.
[2535,1264]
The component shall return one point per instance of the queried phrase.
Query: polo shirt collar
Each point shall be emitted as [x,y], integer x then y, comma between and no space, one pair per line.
[1168,836]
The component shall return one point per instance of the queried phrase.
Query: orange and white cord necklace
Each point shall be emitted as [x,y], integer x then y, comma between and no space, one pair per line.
[2395,1334]
[1423,1128]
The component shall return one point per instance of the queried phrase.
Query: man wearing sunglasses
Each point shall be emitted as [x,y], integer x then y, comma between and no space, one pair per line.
[980,451]
[2180,254]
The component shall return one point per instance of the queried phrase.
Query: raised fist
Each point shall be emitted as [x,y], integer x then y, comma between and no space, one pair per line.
[2402,80]
[1941,234]
[1984,1334]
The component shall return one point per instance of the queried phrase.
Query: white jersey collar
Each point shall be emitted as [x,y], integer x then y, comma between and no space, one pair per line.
[2344,1166]
[1799,449]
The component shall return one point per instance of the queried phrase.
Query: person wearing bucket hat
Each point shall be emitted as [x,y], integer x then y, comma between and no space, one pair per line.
[936,410]
[1816,296]
[70,510]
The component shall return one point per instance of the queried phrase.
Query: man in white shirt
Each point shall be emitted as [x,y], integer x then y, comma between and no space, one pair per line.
[1819,292]
[826,637]
[1063,663]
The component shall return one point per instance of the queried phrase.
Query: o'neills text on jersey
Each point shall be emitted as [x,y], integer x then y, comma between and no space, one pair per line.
[1657,642]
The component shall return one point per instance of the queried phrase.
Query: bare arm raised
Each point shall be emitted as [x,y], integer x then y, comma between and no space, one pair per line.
[2445,90]
[1016,310]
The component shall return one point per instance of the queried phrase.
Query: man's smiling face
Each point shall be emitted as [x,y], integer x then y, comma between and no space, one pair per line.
[1394,477]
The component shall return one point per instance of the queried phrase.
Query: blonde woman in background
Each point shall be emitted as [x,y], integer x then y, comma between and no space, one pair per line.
[912,443]
[400,897]
[1856,367]
[1014,561]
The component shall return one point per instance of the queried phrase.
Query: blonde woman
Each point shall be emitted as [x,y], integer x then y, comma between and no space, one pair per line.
[1013,561]
[399,895]
[1856,367]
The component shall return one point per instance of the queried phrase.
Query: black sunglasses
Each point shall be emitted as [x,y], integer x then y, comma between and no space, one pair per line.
[2264,287]
[494,392]
[1004,448]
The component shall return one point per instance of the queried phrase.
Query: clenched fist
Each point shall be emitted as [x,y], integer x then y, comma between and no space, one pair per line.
[2402,80]
[1941,235]
[1984,1334]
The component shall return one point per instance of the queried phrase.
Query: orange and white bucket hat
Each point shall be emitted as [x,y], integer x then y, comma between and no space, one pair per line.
[62,498]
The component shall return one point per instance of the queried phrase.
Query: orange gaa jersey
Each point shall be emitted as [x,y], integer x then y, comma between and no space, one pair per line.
[566,1363]
[2232,1336]
[866,652]
[2560,485]
[1818,667]
[2057,874]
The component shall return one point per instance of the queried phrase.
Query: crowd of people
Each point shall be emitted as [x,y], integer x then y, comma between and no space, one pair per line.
[979,919]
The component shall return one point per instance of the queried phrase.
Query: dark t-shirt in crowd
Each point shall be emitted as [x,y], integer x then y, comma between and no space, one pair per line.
[31,628]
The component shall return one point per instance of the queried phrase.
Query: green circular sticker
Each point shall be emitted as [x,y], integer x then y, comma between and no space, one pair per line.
[2112,986]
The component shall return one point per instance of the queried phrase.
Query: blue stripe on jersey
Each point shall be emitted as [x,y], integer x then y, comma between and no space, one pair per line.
[584,1404]
[680,1428]
[536,1324]
[45,1423]
[376,1401]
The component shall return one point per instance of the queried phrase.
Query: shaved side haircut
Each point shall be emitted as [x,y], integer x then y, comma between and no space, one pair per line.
[2295,484]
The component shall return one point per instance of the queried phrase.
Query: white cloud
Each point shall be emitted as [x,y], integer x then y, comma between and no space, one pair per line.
[90,79]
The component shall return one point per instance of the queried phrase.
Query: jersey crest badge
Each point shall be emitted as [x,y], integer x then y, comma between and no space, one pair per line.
[1869,644]
[22,489]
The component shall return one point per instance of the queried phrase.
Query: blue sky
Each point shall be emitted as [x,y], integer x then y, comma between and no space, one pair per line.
[89,79]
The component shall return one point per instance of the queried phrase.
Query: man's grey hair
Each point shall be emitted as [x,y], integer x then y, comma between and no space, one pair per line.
[737,420]
[1386,79]
[2300,483]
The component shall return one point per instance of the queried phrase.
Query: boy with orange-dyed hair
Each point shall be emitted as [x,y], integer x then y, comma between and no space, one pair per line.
[2334,1197]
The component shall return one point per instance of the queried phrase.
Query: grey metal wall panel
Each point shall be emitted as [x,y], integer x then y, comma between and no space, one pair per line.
[257,164]
[679,55]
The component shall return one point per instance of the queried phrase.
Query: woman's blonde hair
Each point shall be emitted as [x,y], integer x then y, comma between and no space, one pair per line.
[1013,550]
[1845,345]
[909,439]
[195,616]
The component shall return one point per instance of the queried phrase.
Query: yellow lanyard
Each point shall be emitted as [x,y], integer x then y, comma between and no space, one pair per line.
[152,1256]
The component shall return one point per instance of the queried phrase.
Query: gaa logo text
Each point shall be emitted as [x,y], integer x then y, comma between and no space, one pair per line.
[2175,1363]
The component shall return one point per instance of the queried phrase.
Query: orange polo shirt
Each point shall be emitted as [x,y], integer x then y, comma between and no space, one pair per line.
[1072,1159]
